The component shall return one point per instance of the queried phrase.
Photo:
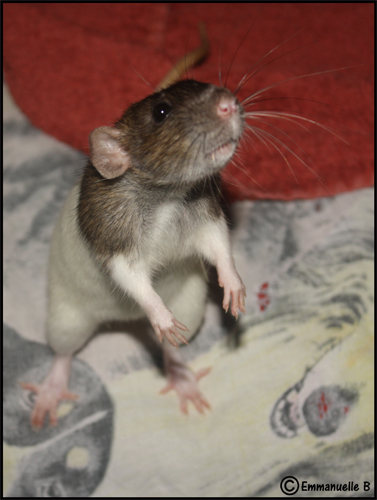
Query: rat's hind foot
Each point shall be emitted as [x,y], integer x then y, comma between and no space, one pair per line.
[50,392]
[47,401]
[184,381]
[186,385]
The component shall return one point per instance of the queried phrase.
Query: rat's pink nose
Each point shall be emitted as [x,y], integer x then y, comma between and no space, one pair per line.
[226,106]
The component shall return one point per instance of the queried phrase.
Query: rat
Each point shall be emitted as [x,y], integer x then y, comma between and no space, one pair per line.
[135,231]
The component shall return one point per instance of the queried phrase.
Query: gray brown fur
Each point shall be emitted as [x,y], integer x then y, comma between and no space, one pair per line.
[116,215]
[176,151]
[169,162]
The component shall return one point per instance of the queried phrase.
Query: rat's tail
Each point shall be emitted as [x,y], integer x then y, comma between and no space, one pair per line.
[188,61]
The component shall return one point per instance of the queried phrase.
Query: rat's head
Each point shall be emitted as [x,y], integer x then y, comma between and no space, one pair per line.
[183,133]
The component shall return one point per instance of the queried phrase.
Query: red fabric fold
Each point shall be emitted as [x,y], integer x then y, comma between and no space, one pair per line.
[73,66]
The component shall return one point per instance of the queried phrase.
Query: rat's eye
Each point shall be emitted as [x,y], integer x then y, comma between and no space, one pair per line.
[161,111]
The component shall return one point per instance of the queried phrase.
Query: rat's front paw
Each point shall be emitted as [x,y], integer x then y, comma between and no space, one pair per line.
[185,382]
[233,289]
[48,397]
[165,325]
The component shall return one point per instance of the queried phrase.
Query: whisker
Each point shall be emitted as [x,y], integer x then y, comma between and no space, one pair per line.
[238,183]
[239,46]
[186,52]
[252,114]
[281,44]
[199,136]
[286,135]
[282,114]
[249,76]
[246,137]
[251,97]
[263,132]
[295,98]
[219,190]
[244,171]
[204,185]
[273,138]
[220,55]
[144,80]
[252,129]
[301,117]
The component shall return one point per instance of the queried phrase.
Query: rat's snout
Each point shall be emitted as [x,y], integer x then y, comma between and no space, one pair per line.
[226,106]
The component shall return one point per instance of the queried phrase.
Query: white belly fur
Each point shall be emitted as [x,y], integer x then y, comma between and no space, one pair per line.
[81,296]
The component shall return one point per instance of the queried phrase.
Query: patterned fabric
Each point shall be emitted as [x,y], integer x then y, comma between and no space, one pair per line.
[291,386]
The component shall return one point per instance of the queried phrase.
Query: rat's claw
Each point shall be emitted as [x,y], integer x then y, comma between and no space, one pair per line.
[168,329]
[202,373]
[242,300]
[39,413]
[28,386]
[234,290]
[235,304]
[69,395]
[185,382]
[158,332]
[226,299]
[180,325]
[200,403]
[198,399]
[169,336]
[181,337]
[168,387]
[183,406]
[47,401]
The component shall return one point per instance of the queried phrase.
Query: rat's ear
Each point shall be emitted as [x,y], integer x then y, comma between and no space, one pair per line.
[106,153]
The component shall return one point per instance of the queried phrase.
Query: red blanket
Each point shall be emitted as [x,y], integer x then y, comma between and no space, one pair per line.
[73,66]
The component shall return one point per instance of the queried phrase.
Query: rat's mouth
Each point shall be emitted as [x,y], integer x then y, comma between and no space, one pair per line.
[225,151]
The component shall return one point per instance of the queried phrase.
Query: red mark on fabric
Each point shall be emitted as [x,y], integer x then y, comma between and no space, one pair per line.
[263,296]
[322,406]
